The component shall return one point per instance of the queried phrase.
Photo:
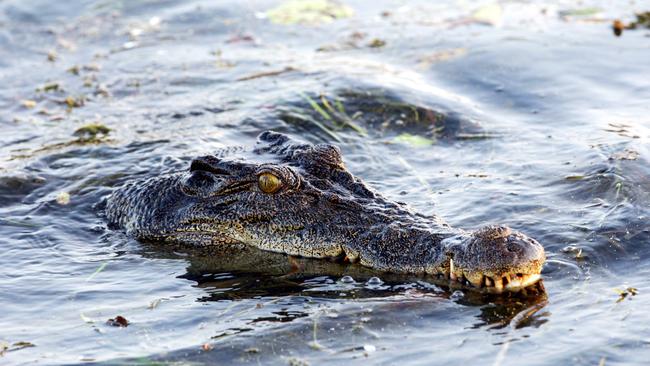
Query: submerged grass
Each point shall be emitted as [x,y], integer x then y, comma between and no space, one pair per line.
[334,119]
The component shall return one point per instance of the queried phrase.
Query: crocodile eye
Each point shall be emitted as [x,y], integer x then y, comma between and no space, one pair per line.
[269,183]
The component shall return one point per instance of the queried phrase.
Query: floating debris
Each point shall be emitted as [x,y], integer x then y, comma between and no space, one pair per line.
[618,27]
[626,154]
[622,129]
[118,321]
[74,70]
[308,12]
[52,56]
[27,103]
[490,14]
[207,347]
[154,304]
[63,198]
[642,21]
[294,361]
[440,56]
[86,319]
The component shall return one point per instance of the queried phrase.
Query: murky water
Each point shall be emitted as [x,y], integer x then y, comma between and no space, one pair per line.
[545,129]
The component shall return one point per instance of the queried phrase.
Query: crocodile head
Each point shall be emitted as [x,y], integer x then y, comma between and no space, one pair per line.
[299,199]
[494,258]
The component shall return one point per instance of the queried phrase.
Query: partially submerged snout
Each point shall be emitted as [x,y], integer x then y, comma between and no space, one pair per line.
[494,258]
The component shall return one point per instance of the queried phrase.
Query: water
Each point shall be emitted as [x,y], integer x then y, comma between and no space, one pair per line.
[547,132]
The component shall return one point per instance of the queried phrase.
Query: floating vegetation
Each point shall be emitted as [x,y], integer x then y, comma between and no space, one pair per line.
[413,140]
[581,13]
[75,102]
[309,12]
[92,132]
[49,87]
[86,135]
[377,43]
[97,271]
[266,74]
[624,293]
[5,347]
[331,112]
[74,70]
[575,177]
[475,136]
[220,61]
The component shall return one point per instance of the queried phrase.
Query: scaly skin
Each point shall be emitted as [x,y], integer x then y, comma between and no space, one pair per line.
[302,201]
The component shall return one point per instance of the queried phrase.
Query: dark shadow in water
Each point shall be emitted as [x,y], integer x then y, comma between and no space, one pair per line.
[372,112]
[250,273]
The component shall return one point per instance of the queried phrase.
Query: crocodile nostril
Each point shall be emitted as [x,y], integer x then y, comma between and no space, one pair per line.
[207,166]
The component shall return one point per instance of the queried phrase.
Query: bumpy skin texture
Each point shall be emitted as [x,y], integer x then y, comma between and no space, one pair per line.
[315,208]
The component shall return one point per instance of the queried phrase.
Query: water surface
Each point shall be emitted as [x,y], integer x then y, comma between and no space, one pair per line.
[540,121]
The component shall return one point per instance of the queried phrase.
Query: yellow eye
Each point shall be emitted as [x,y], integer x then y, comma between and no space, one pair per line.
[269,183]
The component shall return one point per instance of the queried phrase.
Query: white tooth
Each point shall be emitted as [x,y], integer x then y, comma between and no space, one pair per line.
[488,282]
[498,284]
[523,281]
[452,275]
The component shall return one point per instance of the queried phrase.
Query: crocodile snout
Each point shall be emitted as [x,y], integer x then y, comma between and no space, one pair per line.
[495,257]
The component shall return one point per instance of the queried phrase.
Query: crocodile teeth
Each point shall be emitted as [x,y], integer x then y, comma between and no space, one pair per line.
[489,282]
[452,275]
[498,284]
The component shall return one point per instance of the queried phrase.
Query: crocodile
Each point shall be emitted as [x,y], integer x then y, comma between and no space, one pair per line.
[299,199]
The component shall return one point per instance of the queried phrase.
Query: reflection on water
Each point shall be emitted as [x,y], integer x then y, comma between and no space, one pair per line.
[530,115]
